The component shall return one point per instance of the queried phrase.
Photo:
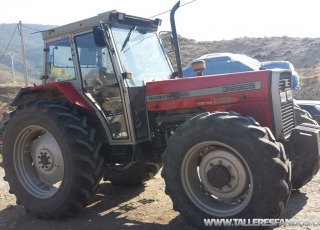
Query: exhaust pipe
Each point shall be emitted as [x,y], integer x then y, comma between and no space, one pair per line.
[175,39]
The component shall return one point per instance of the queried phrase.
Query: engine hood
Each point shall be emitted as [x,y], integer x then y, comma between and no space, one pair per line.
[207,90]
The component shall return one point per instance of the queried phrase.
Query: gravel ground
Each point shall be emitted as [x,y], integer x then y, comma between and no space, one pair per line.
[144,207]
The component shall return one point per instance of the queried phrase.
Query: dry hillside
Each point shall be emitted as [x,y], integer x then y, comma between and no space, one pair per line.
[301,52]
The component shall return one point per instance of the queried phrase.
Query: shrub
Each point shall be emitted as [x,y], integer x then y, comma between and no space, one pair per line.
[309,89]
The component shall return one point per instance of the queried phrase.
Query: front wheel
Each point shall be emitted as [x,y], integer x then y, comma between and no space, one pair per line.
[51,158]
[222,165]
[304,165]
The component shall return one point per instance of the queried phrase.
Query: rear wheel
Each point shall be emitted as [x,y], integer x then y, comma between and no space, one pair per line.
[133,175]
[51,158]
[222,165]
[304,168]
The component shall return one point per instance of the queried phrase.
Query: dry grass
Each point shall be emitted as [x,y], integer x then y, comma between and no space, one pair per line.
[309,82]
[2,104]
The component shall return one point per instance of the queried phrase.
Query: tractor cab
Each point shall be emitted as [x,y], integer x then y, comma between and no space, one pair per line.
[111,64]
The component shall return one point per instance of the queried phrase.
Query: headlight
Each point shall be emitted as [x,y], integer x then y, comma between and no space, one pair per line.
[289,95]
[283,97]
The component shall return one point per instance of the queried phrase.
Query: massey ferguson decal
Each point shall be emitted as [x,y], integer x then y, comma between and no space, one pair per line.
[168,96]
[247,86]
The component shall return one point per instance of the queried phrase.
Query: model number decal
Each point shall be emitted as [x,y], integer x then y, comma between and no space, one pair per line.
[239,87]
[222,89]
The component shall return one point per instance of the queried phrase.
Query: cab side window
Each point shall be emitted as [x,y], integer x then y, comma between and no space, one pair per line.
[59,61]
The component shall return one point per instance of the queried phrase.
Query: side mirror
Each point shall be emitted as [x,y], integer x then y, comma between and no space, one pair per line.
[98,36]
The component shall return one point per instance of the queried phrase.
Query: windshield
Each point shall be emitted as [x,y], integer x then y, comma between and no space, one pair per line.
[142,55]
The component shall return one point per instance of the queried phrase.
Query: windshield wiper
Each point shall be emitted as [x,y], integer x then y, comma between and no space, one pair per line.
[137,43]
[128,37]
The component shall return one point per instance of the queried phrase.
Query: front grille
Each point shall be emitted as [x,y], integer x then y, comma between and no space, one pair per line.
[287,118]
[285,81]
[287,111]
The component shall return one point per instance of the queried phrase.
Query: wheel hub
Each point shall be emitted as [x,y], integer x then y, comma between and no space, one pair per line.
[45,159]
[48,159]
[223,174]
[218,176]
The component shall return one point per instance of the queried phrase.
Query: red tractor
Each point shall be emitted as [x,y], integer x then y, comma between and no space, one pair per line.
[110,107]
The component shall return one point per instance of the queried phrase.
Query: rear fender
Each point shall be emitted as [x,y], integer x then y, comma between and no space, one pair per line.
[59,91]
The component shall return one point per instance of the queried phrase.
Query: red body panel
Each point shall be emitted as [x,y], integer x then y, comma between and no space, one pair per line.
[69,92]
[195,92]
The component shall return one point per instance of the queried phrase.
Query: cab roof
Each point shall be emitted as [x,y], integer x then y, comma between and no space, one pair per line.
[78,26]
[111,17]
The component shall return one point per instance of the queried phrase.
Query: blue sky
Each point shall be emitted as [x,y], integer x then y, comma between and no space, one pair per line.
[202,20]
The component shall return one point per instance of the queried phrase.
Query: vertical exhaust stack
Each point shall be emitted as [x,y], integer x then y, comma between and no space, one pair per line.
[175,38]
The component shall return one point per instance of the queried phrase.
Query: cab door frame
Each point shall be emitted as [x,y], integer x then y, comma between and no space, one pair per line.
[124,94]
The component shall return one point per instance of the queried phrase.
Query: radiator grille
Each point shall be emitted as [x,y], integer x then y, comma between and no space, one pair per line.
[285,81]
[287,111]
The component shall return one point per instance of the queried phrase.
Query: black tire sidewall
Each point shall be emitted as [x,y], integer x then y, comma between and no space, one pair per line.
[265,172]
[15,126]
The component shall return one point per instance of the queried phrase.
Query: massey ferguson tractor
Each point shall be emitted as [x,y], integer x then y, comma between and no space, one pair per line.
[111,106]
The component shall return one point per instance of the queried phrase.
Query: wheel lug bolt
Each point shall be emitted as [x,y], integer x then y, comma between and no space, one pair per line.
[211,165]
[206,194]
[220,162]
[48,157]
[200,186]
[41,153]
[233,177]
[46,167]
[45,153]
[200,153]
[229,186]
[49,163]
[42,166]
[38,156]
[221,188]
[39,162]
[229,167]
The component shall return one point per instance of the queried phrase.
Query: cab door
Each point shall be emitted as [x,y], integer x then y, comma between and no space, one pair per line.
[103,86]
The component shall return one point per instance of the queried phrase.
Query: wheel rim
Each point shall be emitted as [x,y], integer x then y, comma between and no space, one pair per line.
[217,179]
[38,162]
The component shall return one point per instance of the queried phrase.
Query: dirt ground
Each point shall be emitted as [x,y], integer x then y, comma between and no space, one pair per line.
[144,207]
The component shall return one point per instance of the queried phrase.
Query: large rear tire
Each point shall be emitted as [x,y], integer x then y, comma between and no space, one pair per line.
[51,158]
[222,165]
[134,175]
[304,168]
